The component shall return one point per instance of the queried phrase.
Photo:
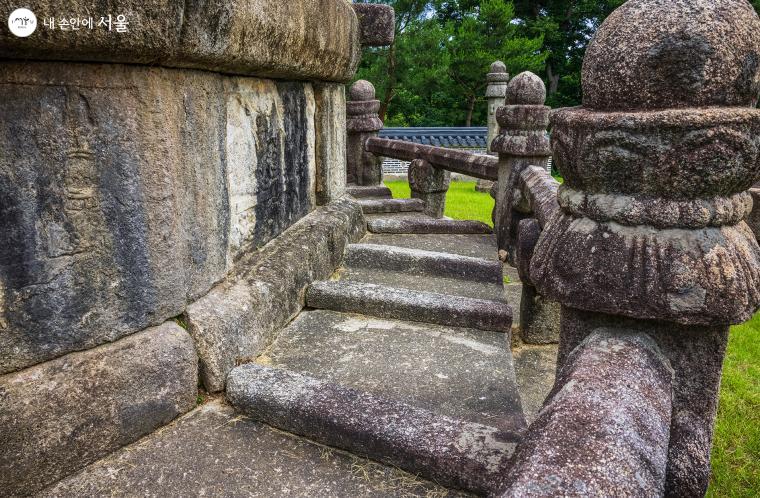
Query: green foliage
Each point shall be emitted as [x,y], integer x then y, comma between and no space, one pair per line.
[434,73]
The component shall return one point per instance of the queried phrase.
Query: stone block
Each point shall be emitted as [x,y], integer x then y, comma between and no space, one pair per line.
[377,24]
[303,39]
[427,226]
[407,304]
[62,415]
[330,128]
[375,206]
[419,262]
[539,317]
[459,372]
[237,318]
[128,191]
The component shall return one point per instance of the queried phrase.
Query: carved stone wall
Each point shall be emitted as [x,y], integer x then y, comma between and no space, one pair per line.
[127,192]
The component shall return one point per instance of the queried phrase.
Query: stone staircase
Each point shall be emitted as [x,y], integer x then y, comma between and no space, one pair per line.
[397,380]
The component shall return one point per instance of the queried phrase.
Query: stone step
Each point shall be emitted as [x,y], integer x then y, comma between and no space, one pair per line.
[462,373]
[215,451]
[375,191]
[492,290]
[419,262]
[374,206]
[427,226]
[407,304]
[464,455]
[481,246]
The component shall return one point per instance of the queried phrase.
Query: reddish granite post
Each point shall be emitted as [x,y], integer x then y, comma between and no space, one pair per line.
[362,123]
[657,163]
[523,142]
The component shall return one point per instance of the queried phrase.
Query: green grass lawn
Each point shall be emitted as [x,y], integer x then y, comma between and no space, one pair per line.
[463,202]
[736,449]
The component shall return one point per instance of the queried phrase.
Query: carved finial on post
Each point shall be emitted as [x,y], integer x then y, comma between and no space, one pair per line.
[657,164]
[362,122]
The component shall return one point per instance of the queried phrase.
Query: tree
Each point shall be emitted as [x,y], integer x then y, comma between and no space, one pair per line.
[567,27]
[478,33]
[434,73]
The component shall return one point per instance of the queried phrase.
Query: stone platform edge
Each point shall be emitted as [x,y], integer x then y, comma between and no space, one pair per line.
[237,319]
[316,40]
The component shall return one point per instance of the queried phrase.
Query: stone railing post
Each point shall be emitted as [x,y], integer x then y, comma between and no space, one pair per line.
[362,123]
[429,184]
[523,142]
[657,163]
[495,92]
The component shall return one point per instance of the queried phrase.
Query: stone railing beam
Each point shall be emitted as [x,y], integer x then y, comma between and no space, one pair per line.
[456,161]
[605,426]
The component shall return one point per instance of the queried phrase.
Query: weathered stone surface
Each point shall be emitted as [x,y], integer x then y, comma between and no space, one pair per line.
[689,145]
[481,246]
[415,305]
[114,220]
[491,289]
[427,226]
[696,355]
[691,54]
[360,192]
[214,451]
[330,128]
[363,123]
[377,24]
[496,91]
[710,277]
[430,185]
[656,168]
[237,318]
[420,262]
[462,373]
[754,218]
[304,39]
[452,452]
[458,161]
[60,416]
[522,142]
[539,317]
[374,206]
[526,89]
[604,429]
[539,191]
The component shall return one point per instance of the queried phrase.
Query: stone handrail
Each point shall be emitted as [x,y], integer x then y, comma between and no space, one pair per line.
[539,194]
[618,448]
[457,161]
